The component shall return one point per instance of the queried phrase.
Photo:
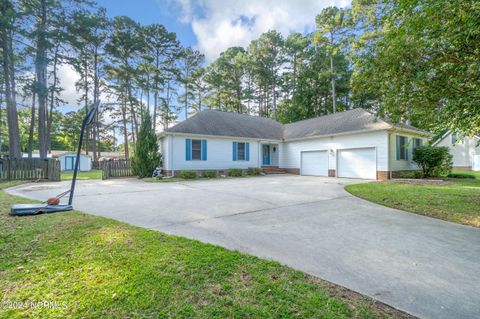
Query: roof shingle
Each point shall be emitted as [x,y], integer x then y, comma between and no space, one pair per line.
[213,122]
[218,123]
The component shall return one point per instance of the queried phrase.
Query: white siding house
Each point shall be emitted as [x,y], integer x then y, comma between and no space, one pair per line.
[463,150]
[67,162]
[352,144]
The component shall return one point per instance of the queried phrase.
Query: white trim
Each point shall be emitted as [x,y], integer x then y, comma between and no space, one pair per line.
[222,136]
[273,141]
[330,135]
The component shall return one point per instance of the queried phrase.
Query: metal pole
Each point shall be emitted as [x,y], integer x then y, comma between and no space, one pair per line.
[77,161]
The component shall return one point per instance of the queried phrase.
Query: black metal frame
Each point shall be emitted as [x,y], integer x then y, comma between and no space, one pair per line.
[92,110]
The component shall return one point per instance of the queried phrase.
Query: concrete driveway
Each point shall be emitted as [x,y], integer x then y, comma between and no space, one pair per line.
[423,266]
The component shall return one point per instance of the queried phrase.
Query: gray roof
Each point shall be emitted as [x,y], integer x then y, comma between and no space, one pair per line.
[212,122]
[336,123]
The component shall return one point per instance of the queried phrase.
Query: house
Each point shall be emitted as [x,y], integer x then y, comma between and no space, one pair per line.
[353,144]
[67,161]
[465,151]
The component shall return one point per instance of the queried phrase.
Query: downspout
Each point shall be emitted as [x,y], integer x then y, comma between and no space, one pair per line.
[389,151]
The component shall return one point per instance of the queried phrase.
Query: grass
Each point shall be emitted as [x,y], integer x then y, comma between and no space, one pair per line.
[456,200]
[93,174]
[94,267]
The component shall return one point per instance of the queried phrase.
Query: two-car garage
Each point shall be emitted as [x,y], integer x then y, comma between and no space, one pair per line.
[350,163]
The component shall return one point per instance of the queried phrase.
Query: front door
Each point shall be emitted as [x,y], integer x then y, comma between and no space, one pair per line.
[69,163]
[266,154]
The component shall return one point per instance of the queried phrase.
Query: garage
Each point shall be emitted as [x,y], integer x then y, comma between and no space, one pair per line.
[314,163]
[357,163]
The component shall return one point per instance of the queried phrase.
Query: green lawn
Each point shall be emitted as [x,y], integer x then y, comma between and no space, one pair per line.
[95,267]
[457,200]
[93,174]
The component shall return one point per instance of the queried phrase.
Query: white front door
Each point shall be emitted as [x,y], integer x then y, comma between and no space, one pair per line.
[314,163]
[357,163]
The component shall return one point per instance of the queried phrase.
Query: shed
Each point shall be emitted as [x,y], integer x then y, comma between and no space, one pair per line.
[67,161]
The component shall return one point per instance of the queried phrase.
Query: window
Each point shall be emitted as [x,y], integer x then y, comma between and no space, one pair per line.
[196,150]
[417,142]
[402,147]
[240,151]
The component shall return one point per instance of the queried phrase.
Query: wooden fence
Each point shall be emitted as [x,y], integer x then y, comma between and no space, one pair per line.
[116,168]
[29,169]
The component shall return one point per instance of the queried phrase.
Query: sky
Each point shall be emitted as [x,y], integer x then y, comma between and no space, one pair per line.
[212,26]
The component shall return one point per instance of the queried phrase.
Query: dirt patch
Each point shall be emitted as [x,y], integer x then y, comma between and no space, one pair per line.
[39,188]
[246,279]
[356,298]
[420,182]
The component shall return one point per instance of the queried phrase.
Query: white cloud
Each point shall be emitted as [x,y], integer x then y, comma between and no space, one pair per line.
[67,77]
[220,24]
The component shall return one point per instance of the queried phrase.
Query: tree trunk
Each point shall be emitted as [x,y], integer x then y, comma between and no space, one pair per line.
[41,77]
[9,79]
[96,95]
[52,99]
[332,74]
[125,133]
[32,127]
[87,129]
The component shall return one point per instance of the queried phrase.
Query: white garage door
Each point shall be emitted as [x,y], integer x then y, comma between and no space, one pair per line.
[314,163]
[357,163]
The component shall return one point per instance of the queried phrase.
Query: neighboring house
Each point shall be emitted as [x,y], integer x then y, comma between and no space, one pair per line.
[67,161]
[353,144]
[35,154]
[464,150]
[111,156]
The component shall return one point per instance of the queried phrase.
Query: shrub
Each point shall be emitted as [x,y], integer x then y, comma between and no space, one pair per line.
[254,171]
[408,174]
[210,173]
[235,172]
[434,161]
[461,175]
[145,157]
[188,174]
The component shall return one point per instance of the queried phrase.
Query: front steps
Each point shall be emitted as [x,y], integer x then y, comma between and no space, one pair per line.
[273,170]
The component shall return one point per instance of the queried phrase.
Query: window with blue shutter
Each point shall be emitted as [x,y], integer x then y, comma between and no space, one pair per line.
[234,151]
[204,150]
[402,147]
[188,149]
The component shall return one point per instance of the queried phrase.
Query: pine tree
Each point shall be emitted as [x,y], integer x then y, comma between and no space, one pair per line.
[146,157]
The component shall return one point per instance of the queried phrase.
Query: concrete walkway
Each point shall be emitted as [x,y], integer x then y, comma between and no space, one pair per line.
[427,267]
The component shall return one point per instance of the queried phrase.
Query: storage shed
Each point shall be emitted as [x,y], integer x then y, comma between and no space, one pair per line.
[67,161]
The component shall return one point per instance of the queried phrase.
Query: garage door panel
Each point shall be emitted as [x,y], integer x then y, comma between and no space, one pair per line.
[357,163]
[314,163]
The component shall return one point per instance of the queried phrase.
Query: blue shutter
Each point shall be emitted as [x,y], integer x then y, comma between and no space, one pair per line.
[247,151]
[188,149]
[235,151]
[204,150]
[398,147]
